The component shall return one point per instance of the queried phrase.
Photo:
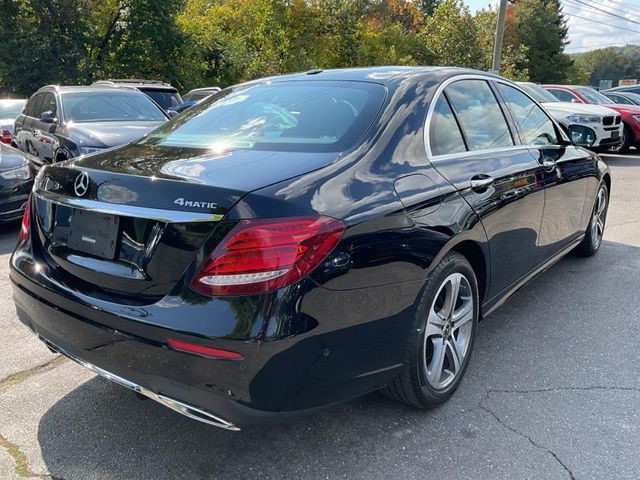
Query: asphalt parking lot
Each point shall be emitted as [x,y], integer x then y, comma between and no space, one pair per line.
[553,391]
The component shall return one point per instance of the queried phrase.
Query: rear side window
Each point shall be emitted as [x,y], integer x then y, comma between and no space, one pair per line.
[562,95]
[479,114]
[303,116]
[534,124]
[167,99]
[619,99]
[444,134]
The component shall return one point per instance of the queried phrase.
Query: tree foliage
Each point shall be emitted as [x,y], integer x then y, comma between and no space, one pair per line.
[193,43]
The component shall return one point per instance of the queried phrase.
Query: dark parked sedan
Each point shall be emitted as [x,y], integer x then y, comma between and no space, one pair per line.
[59,123]
[302,240]
[16,180]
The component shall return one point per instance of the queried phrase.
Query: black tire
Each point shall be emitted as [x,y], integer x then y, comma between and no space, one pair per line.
[627,137]
[412,386]
[593,237]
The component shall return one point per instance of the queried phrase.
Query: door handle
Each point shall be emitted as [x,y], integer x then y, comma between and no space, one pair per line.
[548,165]
[480,183]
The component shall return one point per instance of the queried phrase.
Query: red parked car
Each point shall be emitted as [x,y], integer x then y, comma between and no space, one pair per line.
[630,113]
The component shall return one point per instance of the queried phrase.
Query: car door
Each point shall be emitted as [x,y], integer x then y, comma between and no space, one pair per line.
[44,138]
[23,128]
[472,145]
[568,172]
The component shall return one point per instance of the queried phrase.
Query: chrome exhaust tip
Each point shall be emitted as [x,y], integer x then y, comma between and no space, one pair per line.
[183,408]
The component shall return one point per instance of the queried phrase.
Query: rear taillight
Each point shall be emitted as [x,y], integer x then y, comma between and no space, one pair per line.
[5,137]
[24,228]
[263,255]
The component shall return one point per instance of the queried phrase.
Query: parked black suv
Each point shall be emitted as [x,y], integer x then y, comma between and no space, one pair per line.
[162,93]
[63,122]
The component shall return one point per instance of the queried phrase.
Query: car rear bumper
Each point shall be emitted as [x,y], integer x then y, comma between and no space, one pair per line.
[189,384]
[322,353]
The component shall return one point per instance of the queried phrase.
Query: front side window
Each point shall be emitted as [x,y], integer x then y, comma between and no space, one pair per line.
[479,114]
[619,99]
[33,107]
[114,106]
[593,96]
[304,116]
[534,124]
[444,134]
[48,104]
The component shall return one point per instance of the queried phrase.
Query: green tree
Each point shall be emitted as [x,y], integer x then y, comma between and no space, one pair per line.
[514,57]
[540,26]
[451,36]
[43,42]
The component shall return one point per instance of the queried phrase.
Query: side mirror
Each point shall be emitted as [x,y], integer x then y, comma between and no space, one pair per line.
[47,117]
[575,100]
[581,135]
[172,113]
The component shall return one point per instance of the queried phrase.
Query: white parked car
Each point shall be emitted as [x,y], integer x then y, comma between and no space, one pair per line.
[605,122]
[10,108]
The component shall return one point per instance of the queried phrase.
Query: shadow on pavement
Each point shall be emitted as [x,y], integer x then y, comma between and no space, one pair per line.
[548,334]
[8,236]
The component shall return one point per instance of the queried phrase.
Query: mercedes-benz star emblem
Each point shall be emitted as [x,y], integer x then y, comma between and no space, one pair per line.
[81,185]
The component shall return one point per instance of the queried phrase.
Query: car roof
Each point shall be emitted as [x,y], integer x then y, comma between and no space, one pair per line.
[624,88]
[84,88]
[136,83]
[382,75]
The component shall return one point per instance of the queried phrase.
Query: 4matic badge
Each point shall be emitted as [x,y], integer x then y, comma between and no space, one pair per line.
[194,203]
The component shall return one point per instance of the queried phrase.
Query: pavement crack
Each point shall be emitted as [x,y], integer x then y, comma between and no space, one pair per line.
[531,440]
[564,389]
[21,462]
[18,378]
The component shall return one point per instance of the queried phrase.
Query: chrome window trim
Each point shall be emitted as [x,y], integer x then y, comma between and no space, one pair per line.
[161,215]
[432,105]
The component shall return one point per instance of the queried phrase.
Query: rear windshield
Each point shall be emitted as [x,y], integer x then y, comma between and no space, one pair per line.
[305,116]
[167,99]
[109,107]
[11,108]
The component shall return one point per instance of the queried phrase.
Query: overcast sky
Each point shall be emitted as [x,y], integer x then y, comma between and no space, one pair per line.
[593,32]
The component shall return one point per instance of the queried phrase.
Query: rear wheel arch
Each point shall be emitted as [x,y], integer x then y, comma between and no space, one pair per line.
[474,254]
[606,178]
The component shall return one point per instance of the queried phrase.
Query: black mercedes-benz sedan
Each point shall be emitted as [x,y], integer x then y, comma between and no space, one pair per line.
[298,241]
[16,180]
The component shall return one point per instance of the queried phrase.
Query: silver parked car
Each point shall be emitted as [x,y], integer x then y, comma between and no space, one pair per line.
[10,108]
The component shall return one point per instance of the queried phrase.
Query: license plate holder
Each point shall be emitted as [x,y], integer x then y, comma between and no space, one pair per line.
[94,233]
[615,135]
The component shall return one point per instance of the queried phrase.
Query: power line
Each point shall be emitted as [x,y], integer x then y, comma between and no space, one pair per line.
[601,22]
[602,10]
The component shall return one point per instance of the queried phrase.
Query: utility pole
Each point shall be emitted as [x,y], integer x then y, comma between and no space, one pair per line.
[497,46]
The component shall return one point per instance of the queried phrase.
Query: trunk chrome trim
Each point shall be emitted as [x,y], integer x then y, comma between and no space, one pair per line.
[183,408]
[161,215]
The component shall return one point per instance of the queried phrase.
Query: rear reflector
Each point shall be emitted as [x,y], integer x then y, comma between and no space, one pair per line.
[203,350]
[262,255]
[24,228]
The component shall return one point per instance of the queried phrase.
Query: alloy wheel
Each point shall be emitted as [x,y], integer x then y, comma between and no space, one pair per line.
[448,332]
[599,217]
